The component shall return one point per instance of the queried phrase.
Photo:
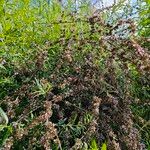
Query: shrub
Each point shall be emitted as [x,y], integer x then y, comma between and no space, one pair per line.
[68,78]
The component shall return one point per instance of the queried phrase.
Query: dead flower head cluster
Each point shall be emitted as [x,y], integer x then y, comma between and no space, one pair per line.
[86,96]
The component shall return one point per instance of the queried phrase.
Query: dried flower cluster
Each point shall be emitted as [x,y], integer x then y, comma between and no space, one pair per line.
[92,77]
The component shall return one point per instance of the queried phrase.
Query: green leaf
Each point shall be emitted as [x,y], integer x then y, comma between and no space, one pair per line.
[5,80]
[4,116]
[2,127]
[104,146]
[1,4]
[1,28]
[2,67]
[93,145]
[8,26]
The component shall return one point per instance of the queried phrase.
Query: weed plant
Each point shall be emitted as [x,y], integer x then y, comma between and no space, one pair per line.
[70,80]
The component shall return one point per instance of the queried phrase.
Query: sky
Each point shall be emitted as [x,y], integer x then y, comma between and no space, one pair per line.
[107,3]
[99,3]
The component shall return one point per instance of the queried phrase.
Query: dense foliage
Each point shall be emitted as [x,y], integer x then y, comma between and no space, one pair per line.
[71,79]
